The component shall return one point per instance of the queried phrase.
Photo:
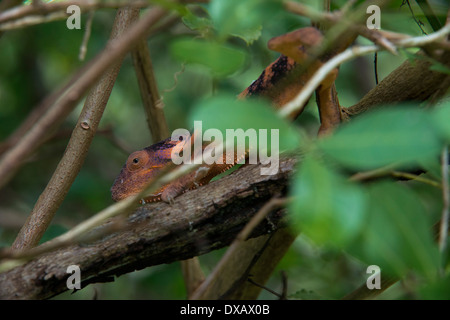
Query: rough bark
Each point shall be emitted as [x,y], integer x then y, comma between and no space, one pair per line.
[200,221]
[412,81]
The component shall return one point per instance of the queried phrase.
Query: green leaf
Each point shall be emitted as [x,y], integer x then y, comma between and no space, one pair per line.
[401,136]
[249,35]
[398,234]
[242,18]
[326,207]
[437,290]
[200,24]
[221,59]
[441,118]
[226,112]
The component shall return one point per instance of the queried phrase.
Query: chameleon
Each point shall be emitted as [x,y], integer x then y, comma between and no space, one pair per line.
[280,82]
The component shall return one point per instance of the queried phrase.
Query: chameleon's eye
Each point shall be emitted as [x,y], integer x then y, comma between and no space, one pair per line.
[180,138]
[137,160]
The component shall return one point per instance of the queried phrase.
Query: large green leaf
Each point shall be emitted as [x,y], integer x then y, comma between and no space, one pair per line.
[225,112]
[221,59]
[397,237]
[384,137]
[201,24]
[243,19]
[326,207]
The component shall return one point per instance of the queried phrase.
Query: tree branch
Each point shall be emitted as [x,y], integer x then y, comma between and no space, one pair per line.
[200,221]
[412,81]
[149,92]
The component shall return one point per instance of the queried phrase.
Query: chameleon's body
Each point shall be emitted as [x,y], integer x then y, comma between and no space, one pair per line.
[280,82]
[144,165]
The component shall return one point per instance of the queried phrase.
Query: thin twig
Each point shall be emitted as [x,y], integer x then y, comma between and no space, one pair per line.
[32,20]
[175,80]
[418,22]
[388,171]
[431,17]
[311,13]
[375,67]
[86,36]
[260,216]
[299,102]
[415,177]
[265,288]
[371,174]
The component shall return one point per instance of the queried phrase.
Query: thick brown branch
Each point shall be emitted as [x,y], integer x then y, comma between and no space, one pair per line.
[409,82]
[200,221]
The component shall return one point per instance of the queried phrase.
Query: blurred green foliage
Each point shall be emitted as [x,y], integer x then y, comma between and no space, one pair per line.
[344,225]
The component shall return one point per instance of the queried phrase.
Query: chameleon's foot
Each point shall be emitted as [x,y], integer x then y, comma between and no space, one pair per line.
[170,200]
[169,195]
[177,187]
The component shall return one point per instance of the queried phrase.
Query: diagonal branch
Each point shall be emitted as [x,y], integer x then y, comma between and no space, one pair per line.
[199,221]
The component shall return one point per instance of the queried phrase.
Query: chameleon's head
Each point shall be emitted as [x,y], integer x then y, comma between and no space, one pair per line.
[142,166]
[295,44]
